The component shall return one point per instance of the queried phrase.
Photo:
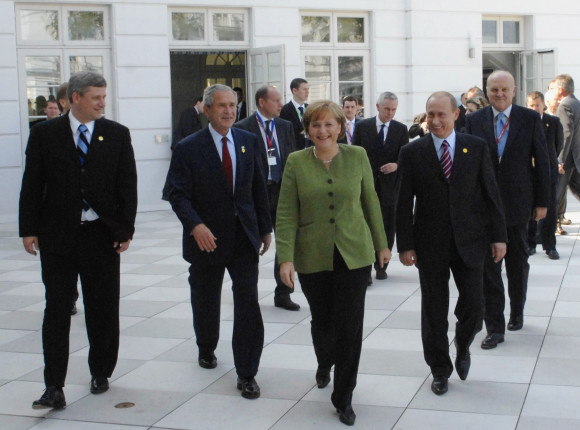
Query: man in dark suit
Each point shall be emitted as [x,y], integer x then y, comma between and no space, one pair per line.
[189,122]
[383,137]
[294,110]
[216,186]
[277,142]
[241,109]
[449,213]
[554,139]
[519,152]
[569,113]
[460,121]
[77,206]
[349,106]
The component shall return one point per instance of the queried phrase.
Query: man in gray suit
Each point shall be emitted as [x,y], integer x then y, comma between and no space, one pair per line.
[277,136]
[569,113]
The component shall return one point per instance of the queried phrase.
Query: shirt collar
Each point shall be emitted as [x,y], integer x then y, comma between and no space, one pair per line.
[450,141]
[506,112]
[74,124]
[296,105]
[217,138]
[379,122]
[263,117]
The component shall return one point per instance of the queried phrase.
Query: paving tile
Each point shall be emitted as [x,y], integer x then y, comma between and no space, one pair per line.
[552,401]
[440,420]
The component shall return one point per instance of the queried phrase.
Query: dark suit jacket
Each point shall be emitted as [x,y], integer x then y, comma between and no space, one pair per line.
[284,133]
[569,114]
[523,186]
[460,121]
[554,138]
[365,135]
[55,184]
[357,121]
[198,191]
[289,113]
[242,112]
[189,123]
[466,211]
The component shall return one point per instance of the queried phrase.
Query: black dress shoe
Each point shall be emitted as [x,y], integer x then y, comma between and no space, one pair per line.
[553,254]
[462,363]
[515,323]
[382,274]
[53,397]
[99,384]
[285,302]
[207,361]
[249,388]
[347,415]
[491,340]
[322,377]
[439,385]
[531,251]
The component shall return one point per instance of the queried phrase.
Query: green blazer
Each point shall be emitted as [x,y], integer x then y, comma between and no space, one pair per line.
[321,208]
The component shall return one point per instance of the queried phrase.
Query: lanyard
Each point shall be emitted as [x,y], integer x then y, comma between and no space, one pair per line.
[264,128]
[502,131]
[349,133]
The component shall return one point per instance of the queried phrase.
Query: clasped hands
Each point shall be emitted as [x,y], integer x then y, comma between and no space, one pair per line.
[207,241]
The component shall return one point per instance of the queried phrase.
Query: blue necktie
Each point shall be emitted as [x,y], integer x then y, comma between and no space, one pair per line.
[82,143]
[275,171]
[498,129]
[381,136]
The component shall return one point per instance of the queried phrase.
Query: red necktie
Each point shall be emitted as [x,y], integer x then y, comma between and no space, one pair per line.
[227,162]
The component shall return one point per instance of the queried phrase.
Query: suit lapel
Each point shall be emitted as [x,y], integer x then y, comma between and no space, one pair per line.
[69,146]
[513,129]
[459,157]
[212,157]
[431,157]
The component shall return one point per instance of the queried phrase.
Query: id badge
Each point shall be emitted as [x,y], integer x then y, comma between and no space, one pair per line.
[272,161]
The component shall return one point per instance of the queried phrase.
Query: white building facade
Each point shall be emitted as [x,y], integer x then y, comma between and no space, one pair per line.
[158,55]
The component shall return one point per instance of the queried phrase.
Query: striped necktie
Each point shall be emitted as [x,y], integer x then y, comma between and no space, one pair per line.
[83,143]
[446,162]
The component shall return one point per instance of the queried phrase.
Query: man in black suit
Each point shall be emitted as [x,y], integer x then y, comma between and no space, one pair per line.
[77,206]
[449,213]
[519,152]
[241,109]
[216,186]
[460,121]
[294,110]
[189,122]
[554,138]
[277,140]
[383,137]
[349,106]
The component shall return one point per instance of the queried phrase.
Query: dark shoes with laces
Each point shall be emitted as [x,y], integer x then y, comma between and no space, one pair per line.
[53,398]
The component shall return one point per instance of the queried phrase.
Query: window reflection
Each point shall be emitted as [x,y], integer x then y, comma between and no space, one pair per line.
[86,63]
[39,25]
[315,29]
[350,30]
[187,26]
[85,25]
[228,27]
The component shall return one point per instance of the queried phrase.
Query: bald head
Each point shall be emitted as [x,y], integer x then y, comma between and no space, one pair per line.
[501,89]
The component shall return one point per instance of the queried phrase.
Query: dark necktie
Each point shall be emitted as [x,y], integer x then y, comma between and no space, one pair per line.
[227,162]
[446,162]
[301,109]
[381,136]
[275,171]
[82,143]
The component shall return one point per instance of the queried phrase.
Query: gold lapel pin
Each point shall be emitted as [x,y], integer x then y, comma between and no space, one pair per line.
[101,138]
[547,125]
[465,150]
[243,149]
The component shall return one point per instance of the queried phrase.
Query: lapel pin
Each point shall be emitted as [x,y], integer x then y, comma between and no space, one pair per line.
[465,150]
[547,125]
[243,149]
[101,138]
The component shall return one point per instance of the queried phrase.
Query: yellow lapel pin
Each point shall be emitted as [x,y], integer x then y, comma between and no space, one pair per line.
[465,150]
[243,149]
[101,138]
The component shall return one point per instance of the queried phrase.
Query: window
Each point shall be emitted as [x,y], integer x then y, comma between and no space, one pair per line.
[335,54]
[208,27]
[502,31]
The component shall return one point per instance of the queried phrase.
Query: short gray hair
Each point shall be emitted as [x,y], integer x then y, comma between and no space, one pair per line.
[208,94]
[387,95]
[565,82]
[81,81]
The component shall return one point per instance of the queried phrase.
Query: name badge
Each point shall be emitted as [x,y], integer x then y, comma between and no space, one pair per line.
[272,161]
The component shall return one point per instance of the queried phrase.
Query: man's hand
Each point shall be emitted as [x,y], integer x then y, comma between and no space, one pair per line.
[122,246]
[561,170]
[540,213]
[204,238]
[384,257]
[31,244]
[287,273]
[498,251]
[266,240]
[388,168]
[408,258]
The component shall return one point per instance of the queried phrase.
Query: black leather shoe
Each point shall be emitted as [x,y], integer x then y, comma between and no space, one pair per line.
[370,281]
[515,323]
[382,274]
[53,397]
[553,254]
[99,384]
[285,302]
[462,363]
[249,388]
[322,377]
[491,340]
[439,385]
[531,251]
[73,310]
[207,361]
[347,415]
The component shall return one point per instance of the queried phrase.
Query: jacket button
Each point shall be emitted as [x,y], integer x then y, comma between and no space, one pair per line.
[82,190]
[83,170]
[331,206]
[331,194]
[332,220]
[330,181]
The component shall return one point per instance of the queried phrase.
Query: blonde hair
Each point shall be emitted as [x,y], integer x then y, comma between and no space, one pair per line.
[320,109]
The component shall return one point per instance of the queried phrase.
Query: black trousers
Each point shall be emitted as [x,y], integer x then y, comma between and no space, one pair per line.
[388,212]
[337,301]
[273,195]
[517,270]
[205,280]
[569,179]
[435,307]
[545,229]
[95,260]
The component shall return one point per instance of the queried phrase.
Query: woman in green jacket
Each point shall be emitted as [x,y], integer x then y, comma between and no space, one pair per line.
[328,227]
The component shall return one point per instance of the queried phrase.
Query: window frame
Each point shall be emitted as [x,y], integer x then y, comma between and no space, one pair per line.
[334,30]
[499,31]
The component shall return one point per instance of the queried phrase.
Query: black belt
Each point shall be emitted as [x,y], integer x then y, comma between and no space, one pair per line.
[90,223]
[270,182]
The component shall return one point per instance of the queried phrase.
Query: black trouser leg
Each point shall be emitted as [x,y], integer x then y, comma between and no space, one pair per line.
[517,267]
[494,295]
